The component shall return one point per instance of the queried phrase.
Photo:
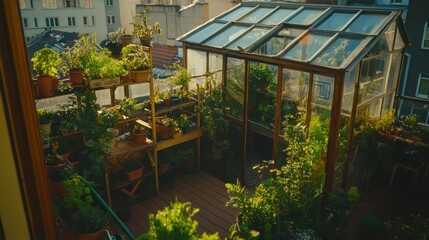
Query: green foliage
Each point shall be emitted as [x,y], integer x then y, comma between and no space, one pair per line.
[182,77]
[141,26]
[385,122]
[131,164]
[44,116]
[79,196]
[353,195]
[371,223]
[183,121]
[175,223]
[409,123]
[81,54]
[261,75]
[46,62]
[135,58]
[409,227]
[109,117]
[88,219]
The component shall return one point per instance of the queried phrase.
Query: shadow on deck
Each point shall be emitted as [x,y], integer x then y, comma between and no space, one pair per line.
[203,190]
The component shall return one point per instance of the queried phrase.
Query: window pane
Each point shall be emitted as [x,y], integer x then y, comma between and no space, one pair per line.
[226,36]
[278,16]
[366,23]
[248,38]
[307,47]
[215,66]
[385,43]
[236,13]
[424,86]
[256,15]
[197,66]
[204,33]
[279,42]
[336,21]
[349,90]
[373,78]
[337,52]
[235,88]
[399,43]
[306,16]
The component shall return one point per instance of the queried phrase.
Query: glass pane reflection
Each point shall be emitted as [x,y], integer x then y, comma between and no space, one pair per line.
[337,52]
[366,23]
[204,33]
[256,15]
[236,13]
[336,21]
[307,47]
[278,16]
[248,38]
[226,36]
[306,16]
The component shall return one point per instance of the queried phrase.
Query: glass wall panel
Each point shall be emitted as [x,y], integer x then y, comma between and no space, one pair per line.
[215,66]
[204,33]
[306,16]
[235,88]
[248,38]
[366,23]
[279,42]
[294,92]
[373,77]
[387,103]
[256,15]
[262,94]
[349,91]
[277,16]
[237,13]
[336,21]
[227,35]
[196,65]
[385,43]
[339,50]
[395,67]
[307,46]
[399,42]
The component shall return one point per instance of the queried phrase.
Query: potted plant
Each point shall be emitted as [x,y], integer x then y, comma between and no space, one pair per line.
[113,43]
[45,118]
[139,134]
[103,70]
[182,77]
[261,77]
[131,107]
[183,122]
[137,62]
[45,63]
[109,117]
[133,169]
[165,129]
[142,29]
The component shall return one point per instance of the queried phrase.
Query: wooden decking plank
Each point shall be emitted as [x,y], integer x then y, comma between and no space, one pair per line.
[221,189]
[195,183]
[211,197]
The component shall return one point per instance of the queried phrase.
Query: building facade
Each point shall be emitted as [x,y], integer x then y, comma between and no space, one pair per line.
[113,18]
[83,16]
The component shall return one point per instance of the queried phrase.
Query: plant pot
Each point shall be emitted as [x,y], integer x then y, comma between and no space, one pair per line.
[139,137]
[126,78]
[45,129]
[55,84]
[115,48]
[164,167]
[145,41]
[175,100]
[167,102]
[44,85]
[133,175]
[126,40]
[76,76]
[163,132]
[140,76]
[58,189]
[176,134]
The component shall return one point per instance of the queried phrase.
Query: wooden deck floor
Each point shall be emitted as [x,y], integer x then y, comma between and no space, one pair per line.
[204,191]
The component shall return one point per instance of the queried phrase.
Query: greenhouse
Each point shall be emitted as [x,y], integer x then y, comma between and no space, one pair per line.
[331,67]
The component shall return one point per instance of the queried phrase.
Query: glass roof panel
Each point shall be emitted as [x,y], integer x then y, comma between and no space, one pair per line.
[248,38]
[237,13]
[366,23]
[306,16]
[335,54]
[204,33]
[256,15]
[307,46]
[227,35]
[279,42]
[336,21]
[278,16]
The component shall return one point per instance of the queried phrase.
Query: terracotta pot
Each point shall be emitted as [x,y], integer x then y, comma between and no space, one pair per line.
[126,40]
[139,137]
[145,41]
[163,132]
[76,76]
[125,78]
[133,175]
[44,85]
[140,76]
[55,83]
[167,102]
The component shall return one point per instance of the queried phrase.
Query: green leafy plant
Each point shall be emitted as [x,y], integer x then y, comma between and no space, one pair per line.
[169,122]
[44,116]
[46,62]
[139,129]
[408,227]
[81,54]
[109,117]
[141,26]
[175,222]
[79,196]
[88,219]
[409,123]
[182,77]
[129,104]
[135,58]
[183,121]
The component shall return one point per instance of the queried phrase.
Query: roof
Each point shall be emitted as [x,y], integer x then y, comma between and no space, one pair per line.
[163,55]
[323,35]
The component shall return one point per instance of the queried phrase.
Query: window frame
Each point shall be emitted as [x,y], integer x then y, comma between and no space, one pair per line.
[109,3]
[396,2]
[425,31]
[425,78]
[110,19]
[71,20]
[36,22]
[52,22]
[25,22]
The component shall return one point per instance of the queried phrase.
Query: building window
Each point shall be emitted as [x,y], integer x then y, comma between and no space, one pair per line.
[52,22]
[88,20]
[425,41]
[70,3]
[49,3]
[89,4]
[36,24]
[22,4]
[109,2]
[31,4]
[423,86]
[110,19]
[395,1]
[71,21]
[25,21]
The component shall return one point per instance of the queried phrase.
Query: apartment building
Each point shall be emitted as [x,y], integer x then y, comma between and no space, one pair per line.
[83,16]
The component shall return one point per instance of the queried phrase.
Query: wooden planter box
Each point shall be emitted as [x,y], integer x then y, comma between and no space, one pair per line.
[140,76]
[104,82]
[134,112]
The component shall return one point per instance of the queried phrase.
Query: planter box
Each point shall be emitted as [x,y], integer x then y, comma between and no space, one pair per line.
[134,112]
[104,82]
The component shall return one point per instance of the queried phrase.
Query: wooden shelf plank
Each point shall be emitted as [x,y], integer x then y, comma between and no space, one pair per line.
[125,147]
[184,138]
